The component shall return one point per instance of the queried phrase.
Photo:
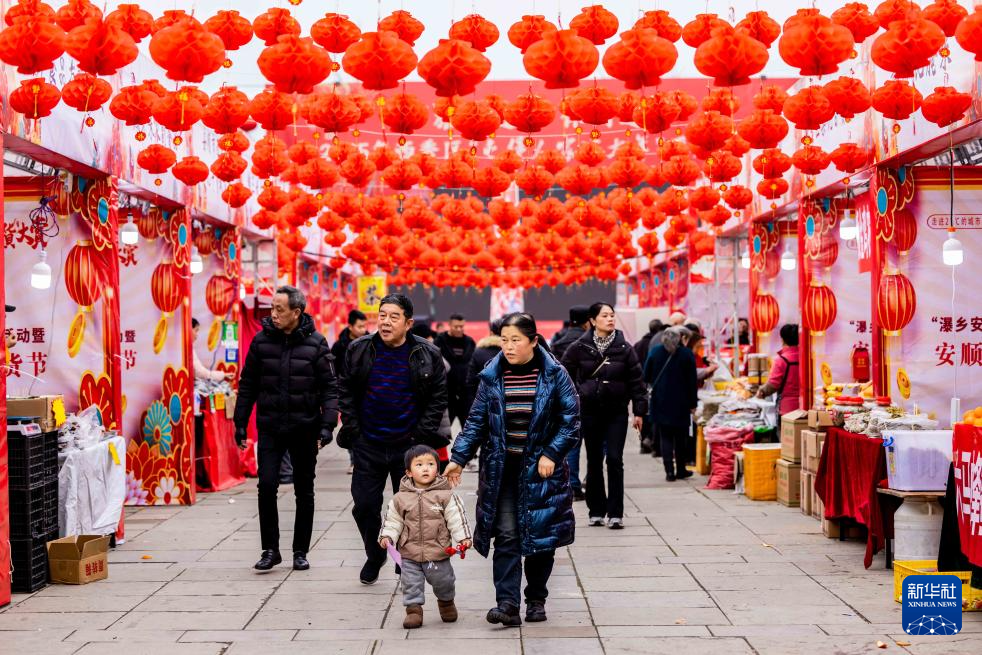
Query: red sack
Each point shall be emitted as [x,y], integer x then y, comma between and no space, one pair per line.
[724,443]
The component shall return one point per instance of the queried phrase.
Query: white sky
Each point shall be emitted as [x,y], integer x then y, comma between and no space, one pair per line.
[438,15]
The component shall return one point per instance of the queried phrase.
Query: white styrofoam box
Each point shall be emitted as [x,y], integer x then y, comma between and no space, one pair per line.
[918,460]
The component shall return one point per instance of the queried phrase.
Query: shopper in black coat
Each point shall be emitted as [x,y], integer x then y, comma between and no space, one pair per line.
[289,376]
[486,349]
[671,373]
[579,323]
[649,438]
[457,348]
[608,376]
[357,328]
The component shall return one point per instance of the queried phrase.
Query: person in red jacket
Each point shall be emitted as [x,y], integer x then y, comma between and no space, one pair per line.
[784,379]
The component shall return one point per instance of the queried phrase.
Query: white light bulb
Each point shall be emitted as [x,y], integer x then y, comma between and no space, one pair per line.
[788,260]
[196,264]
[41,273]
[848,228]
[951,251]
[129,235]
[745,260]
[242,293]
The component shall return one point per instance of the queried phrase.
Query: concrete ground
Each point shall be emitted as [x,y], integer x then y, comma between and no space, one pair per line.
[694,572]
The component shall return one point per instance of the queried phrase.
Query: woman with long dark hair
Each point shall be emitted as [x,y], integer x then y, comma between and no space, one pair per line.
[524,420]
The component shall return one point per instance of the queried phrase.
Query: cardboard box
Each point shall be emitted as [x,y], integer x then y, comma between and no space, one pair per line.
[47,409]
[792,424]
[811,449]
[806,489]
[832,529]
[820,418]
[788,483]
[818,507]
[79,559]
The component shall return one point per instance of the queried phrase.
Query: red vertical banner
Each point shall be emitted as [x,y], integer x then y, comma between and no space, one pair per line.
[4,480]
[806,386]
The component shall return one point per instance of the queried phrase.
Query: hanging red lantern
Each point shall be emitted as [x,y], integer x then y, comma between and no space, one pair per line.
[133,105]
[904,230]
[234,30]
[233,142]
[680,170]
[760,26]
[34,98]
[229,166]
[31,43]
[318,173]
[896,303]
[190,170]
[946,14]
[294,65]
[357,170]
[170,17]
[848,96]
[763,128]
[896,99]
[809,109]
[850,157]
[810,160]
[220,295]
[595,23]
[236,195]
[737,145]
[907,45]
[827,251]
[29,8]
[273,198]
[772,163]
[627,172]
[890,11]
[454,68]
[738,197]
[529,30]
[178,110]
[673,202]
[273,110]
[722,100]
[770,97]
[379,60]
[187,51]
[75,13]
[640,58]
[561,59]
[508,161]
[856,17]
[717,216]
[490,181]
[772,188]
[703,198]
[101,48]
[534,180]
[529,113]
[764,313]
[721,166]
[700,29]
[730,56]
[86,92]
[943,107]
[814,44]
[656,113]
[709,130]
[660,21]
[383,157]
[264,219]
[274,23]
[226,111]
[593,105]
[476,30]
[404,25]
[969,33]
[626,103]
[269,157]
[334,32]
[156,159]
[475,120]
[819,308]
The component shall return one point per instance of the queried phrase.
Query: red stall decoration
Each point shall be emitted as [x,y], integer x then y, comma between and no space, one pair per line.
[819,308]
[82,284]
[764,313]
[166,289]
[967,459]
[896,303]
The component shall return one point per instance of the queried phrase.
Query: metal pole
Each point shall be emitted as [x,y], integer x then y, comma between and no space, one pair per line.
[734,328]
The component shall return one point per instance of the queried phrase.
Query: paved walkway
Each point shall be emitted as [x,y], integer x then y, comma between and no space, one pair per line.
[694,572]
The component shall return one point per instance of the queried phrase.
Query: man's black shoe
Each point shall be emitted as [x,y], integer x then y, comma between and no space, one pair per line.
[300,562]
[369,572]
[670,478]
[535,611]
[398,570]
[269,559]
[578,494]
[507,616]
[683,474]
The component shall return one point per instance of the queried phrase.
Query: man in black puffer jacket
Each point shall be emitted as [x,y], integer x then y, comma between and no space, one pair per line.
[289,376]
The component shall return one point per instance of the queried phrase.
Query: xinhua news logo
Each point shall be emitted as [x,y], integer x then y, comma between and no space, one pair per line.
[932,605]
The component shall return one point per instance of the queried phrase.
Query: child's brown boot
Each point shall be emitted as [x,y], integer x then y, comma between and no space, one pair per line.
[414,617]
[448,611]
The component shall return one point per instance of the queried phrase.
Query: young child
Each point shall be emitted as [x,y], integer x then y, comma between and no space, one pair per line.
[423,519]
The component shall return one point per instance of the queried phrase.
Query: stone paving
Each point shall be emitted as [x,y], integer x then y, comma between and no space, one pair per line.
[694,572]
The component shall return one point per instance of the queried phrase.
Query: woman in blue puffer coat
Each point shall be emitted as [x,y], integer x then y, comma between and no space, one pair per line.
[525,419]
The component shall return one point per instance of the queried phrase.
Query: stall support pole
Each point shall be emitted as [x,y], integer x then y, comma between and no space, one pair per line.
[806,365]
[735,331]
[878,345]
[4,499]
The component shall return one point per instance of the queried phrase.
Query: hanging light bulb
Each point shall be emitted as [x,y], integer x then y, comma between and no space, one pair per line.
[196,264]
[951,250]
[745,260]
[848,228]
[129,235]
[41,273]
[242,293]
[789,261]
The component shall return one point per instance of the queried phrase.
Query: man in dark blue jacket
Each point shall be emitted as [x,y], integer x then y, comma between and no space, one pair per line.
[671,373]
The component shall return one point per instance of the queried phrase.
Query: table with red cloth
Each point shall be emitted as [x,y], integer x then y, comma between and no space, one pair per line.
[219,461]
[967,462]
[851,469]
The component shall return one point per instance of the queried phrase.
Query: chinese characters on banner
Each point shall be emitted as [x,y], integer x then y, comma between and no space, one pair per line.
[967,460]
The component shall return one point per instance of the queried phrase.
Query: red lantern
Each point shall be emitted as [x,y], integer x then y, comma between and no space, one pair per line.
[35,98]
[490,182]
[170,17]
[178,110]
[896,303]
[534,180]
[190,170]
[31,43]
[475,120]
[529,30]
[763,128]
[703,198]
[772,163]
[81,275]
[294,65]
[166,287]
[86,92]
[319,173]
[856,18]
[334,32]
[660,21]
[770,97]
[738,197]
[827,251]
[896,99]
[730,56]
[722,100]
[907,45]
[764,313]
[594,105]
[809,109]
[890,11]
[101,48]
[187,51]
[529,113]
[220,294]
[627,172]
[233,142]
[404,113]
[969,33]
[476,30]
[234,30]
[760,26]
[227,110]
[680,170]
[657,113]
[236,195]
[946,14]
[814,44]
[850,157]
[819,308]
[772,188]
[269,157]
[274,23]
[943,107]
[404,25]
[810,160]
[29,9]
[454,68]
[595,23]
[330,111]
[640,58]
[709,130]
[272,109]
[721,166]
[561,59]
[133,105]
[75,13]
[379,60]
[904,230]
[273,198]
[229,166]
[848,96]
[700,29]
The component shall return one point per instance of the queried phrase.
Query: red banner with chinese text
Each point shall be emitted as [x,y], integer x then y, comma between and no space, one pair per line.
[967,460]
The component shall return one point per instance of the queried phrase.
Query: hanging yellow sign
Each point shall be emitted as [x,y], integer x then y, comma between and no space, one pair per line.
[826,371]
[371,290]
[903,384]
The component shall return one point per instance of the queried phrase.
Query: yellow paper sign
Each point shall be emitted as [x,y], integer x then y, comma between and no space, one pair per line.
[903,384]
[113,453]
[219,401]
[371,290]
[826,371]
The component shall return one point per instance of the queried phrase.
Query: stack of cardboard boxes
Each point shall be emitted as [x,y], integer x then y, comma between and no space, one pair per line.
[812,441]
[789,466]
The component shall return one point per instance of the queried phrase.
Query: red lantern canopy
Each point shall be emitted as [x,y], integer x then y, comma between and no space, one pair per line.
[640,58]
[595,23]
[529,113]
[404,25]
[34,98]
[848,96]
[943,107]
[850,157]
[236,195]
[234,30]
[907,45]
[294,65]
[101,48]
[904,230]
[764,313]
[379,60]
[896,99]
[32,43]
[730,56]
[819,308]
[856,17]
[896,303]
[334,32]
[404,113]
[476,30]
[454,68]
[700,29]
[809,109]
[529,30]
[229,166]
[814,44]
[969,33]
[86,92]
[187,51]
[274,23]
[561,59]
[763,128]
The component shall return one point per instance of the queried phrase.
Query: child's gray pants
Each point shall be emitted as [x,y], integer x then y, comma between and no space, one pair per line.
[415,575]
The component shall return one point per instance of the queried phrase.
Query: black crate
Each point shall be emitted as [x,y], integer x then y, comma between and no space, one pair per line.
[29,563]
[50,455]
[26,459]
[34,512]
[51,503]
